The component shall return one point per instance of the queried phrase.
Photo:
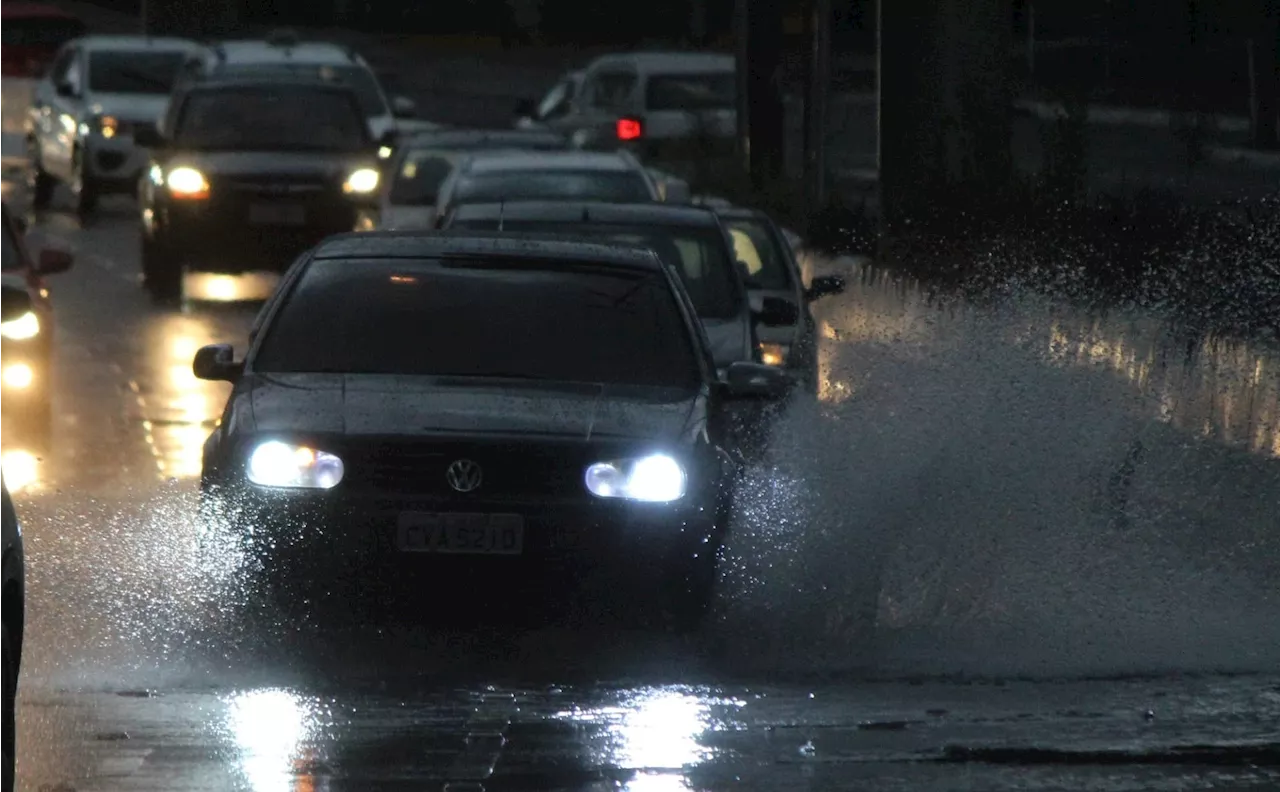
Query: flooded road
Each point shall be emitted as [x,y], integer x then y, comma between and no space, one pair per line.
[1049,621]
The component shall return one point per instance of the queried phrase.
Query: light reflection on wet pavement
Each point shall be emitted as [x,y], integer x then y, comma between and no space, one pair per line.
[122,689]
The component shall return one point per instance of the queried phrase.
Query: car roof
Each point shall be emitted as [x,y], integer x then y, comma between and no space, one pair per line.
[674,62]
[740,213]
[220,81]
[516,160]
[455,138]
[136,43]
[310,53]
[582,212]
[468,244]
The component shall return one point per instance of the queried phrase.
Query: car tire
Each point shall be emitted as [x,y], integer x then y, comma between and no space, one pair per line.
[10,703]
[161,272]
[39,182]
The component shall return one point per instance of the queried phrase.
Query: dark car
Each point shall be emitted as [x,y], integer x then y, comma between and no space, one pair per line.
[248,173]
[26,336]
[440,403]
[691,240]
[13,608]
[772,272]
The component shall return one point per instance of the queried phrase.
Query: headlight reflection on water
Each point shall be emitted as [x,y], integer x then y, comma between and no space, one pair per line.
[270,729]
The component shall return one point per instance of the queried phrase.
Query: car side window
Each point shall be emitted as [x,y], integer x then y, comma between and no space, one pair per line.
[611,90]
[61,64]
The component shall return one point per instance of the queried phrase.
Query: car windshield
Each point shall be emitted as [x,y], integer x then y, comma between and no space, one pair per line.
[525,320]
[134,72]
[699,255]
[270,118]
[533,185]
[715,91]
[360,80]
[757,247]
[421,172]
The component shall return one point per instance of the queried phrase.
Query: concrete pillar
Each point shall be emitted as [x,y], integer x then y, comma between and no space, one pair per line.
[945,102]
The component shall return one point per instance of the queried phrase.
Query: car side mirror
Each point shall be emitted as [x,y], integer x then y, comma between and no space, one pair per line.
[776,312]
[823,286]
[526,108]
[53,260]
[65,89]
[404,107]
[16,303]
[745,380]
[217,362]
[148,137]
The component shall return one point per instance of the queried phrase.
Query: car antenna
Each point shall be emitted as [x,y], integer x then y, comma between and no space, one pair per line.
[502,207]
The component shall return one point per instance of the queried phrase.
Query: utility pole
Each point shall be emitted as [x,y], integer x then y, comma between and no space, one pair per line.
[944,102]
[761,139]
[817,88]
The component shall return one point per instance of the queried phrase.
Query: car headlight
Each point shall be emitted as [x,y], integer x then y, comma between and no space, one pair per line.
[277,464]
[22,328]
[108,126]
[187,183]
[18,376]
[361,182]
[657,479]
[774,354]
[385,152]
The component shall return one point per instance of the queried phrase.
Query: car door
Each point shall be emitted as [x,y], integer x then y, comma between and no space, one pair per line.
[608,93]
[66,106]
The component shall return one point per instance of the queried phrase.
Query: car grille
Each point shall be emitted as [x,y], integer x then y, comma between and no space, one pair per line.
[509,471]
[274,187]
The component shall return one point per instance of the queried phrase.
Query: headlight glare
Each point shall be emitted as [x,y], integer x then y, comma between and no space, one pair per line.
[278,464]
[361,182]
[108,126]
[185,182]
[22,328]
[774,354]
[657,478]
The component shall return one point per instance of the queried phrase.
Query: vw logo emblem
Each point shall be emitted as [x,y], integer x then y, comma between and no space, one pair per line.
[464,475]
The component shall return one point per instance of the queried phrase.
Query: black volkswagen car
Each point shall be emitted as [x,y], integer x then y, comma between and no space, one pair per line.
[490,405]
[248,172]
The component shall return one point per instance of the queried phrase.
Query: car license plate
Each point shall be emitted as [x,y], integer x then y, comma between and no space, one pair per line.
[277,214]
[461,533]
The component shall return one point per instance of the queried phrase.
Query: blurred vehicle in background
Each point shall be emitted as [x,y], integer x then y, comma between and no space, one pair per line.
[247,173]
[424,161]
[771,271]
[87,110]
[285,54]
[644,101]
[616,177]
[26,338]
[690,240]
[553,105]
[14,608]
[473,407]
[32,34]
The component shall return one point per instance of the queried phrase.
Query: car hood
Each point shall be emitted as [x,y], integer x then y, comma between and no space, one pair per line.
[403,405]
[130,107]
[335,165]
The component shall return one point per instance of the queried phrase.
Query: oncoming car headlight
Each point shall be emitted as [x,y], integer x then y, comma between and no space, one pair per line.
[361,182]
[22,328]
[657,479]
[277,464]
[185,182]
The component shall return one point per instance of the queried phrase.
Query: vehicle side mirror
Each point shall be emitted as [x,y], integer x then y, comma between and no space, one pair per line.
[824,285]
[217,362]
[776,312]
[16,303]
[53,260]
[65,89]
[526,108]
[404,107]
[148,137]
[744,380]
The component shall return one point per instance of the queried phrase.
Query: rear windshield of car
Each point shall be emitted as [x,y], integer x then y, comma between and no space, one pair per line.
[39,31]
[361,81]
[699,256]
[134,72]
[534,185]
[716,91]
[757,248]
[270,118]
[524,320]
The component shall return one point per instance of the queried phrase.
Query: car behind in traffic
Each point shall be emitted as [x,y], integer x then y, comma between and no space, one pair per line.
[240,182]
[480,407]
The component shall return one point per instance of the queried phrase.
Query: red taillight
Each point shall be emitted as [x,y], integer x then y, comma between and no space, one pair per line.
[630,128]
